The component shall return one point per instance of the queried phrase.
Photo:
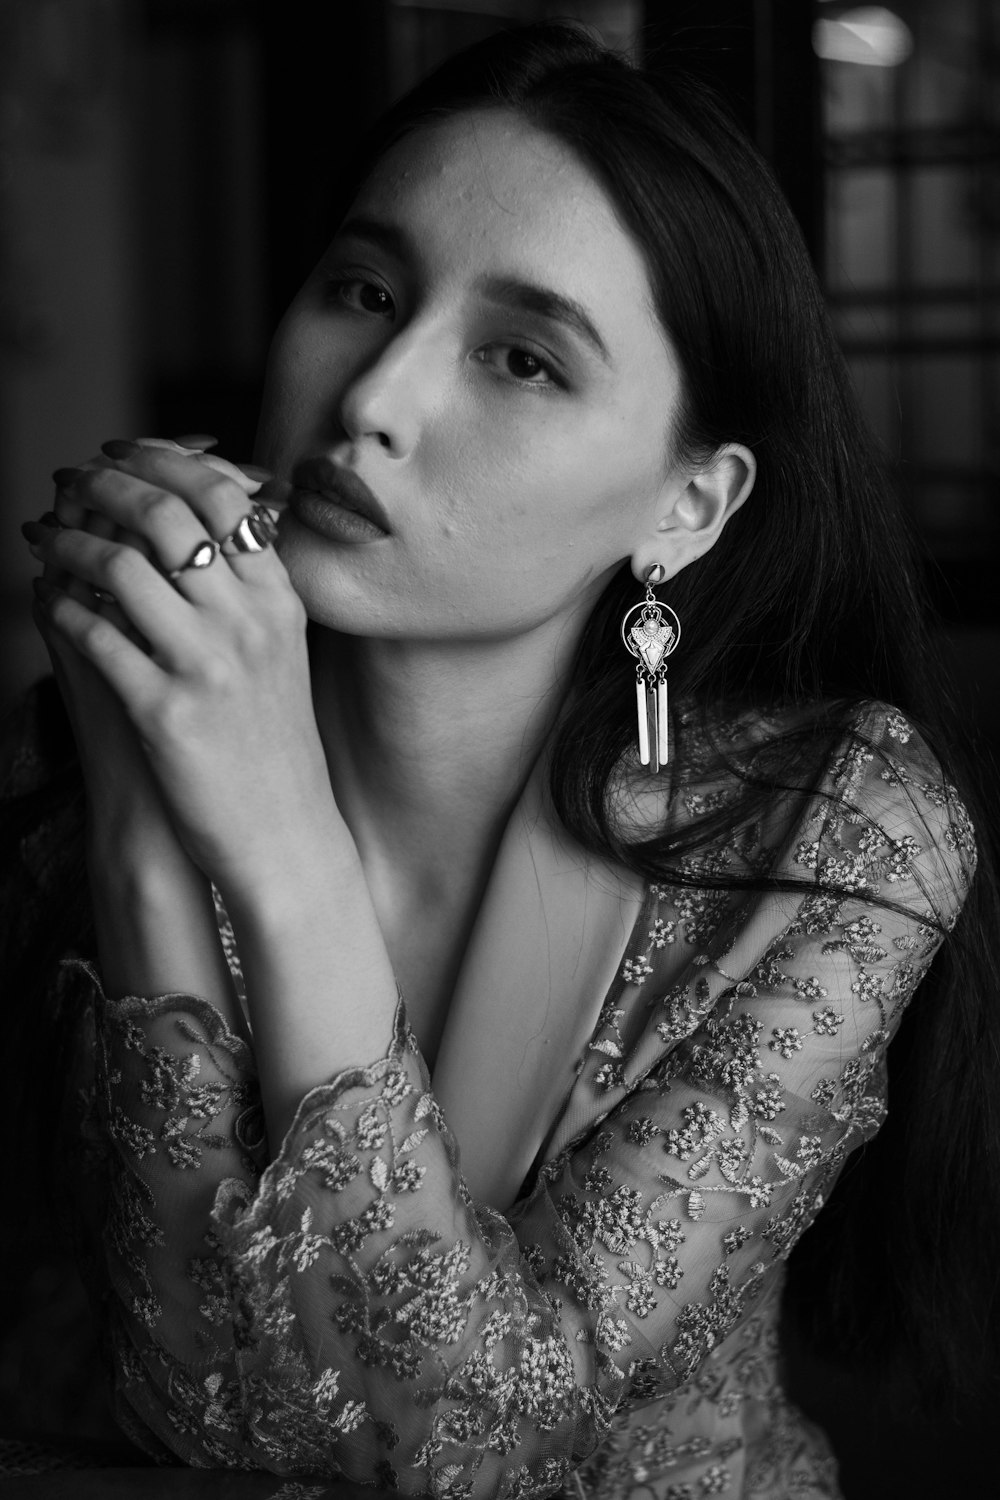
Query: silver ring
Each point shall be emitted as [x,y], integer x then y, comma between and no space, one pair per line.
[203,556]
[255,533]
[103,597]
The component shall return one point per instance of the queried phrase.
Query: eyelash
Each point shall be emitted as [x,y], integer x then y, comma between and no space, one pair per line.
[339,285]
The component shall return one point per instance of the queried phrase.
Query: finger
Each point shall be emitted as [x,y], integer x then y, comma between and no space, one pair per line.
[179,503]
[216,503]
[128,671]
[147,601]
[70,512]
[250,477]
[69,505]
[160,524]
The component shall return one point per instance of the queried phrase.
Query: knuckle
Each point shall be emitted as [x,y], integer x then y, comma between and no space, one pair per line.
[219,490]
[255,637]
[69,511]
[160,508]
[215,672]
[119,568]
[94,634]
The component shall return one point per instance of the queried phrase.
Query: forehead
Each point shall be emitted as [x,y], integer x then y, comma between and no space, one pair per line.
[490,185]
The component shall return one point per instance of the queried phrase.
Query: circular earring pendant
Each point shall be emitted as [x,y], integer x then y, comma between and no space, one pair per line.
[651,631]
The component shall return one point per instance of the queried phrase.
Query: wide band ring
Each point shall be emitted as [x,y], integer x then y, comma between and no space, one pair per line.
[203,556]
[255,533]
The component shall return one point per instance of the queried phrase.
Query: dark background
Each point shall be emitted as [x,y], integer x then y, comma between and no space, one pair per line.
[163,166]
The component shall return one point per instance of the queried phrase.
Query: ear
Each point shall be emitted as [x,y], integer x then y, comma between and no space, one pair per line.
[693,507]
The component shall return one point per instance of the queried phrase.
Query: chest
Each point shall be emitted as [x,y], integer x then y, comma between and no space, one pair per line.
[427,949]
[504,999]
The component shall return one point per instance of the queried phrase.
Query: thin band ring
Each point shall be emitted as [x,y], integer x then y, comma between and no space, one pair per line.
[203,556]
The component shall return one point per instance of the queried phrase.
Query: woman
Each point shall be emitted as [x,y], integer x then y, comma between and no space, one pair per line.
[564,365]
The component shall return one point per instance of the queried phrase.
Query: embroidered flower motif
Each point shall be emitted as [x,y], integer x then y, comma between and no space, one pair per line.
[898,862]
[641,1299]
[370,1130]
[667,1272]
[786,1040]
[662,933]
[700,1126]
[809,989]
[635,970]
[867,987]
[732,1156]
[642,1131]
[759,1192]
[610,1075]
[807,854]
[767,1102]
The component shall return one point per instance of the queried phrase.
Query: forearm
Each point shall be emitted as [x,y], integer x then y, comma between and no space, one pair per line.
[154,920]
[320,986]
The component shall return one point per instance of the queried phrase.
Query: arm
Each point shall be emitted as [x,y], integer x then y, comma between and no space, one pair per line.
[224,667]
[358,1314]
[152,907]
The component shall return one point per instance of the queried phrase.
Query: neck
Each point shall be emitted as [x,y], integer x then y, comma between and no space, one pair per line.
[429,745]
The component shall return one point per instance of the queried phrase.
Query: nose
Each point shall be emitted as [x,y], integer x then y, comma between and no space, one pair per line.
[387,397]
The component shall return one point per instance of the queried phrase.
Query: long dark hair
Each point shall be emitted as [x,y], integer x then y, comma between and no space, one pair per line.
[812,597]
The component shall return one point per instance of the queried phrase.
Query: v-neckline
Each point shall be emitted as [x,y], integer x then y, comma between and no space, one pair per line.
[553,927]
[557,1137]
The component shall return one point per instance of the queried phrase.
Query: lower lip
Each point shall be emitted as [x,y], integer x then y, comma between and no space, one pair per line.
[333,521]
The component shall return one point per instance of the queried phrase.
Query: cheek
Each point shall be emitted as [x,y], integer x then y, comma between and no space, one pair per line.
[548,468]
[297,385]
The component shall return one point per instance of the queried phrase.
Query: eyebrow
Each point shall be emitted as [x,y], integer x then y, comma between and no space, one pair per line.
[388,237]
[509,291]
[528,297]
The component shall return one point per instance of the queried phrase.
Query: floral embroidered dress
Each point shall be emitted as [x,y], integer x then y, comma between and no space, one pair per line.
[344,1307]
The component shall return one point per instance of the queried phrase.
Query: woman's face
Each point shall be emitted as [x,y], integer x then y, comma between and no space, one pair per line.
[479,347]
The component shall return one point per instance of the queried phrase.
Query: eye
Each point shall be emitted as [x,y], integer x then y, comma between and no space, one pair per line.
[363,296]
[518,364]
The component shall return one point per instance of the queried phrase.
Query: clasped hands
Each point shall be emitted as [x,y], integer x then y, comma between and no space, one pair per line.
[175,633]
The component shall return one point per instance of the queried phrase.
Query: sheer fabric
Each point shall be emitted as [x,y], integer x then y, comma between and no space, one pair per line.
[347,1309]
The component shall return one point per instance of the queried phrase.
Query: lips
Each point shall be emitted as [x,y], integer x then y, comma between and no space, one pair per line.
[320,476]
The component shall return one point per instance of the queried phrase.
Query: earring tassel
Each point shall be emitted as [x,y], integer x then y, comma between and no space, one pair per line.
[642,716]
[662,722]
[652,721]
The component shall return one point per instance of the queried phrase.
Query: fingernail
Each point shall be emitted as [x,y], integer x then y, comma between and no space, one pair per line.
[29,530]
[254,471]
[51,519]
[201,440]
[119,448]
[63,478]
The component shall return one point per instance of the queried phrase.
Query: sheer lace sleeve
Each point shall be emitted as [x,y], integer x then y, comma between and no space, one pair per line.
[349,1311]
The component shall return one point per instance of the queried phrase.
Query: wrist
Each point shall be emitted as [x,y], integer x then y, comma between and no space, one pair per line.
[309,869]
[135,852]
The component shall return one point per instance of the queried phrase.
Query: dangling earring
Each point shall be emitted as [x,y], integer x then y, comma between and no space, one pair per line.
[650,639]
